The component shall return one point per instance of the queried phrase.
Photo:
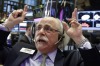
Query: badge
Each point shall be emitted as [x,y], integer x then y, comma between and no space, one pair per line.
[27,50]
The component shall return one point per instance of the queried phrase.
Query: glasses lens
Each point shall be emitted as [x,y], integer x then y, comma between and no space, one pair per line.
[38,28]
[46,28]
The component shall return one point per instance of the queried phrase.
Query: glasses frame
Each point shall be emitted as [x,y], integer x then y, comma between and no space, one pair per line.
[46,28]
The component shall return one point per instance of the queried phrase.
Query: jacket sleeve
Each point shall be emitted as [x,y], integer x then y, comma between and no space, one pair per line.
[3,36]
[91,57]
[3,49]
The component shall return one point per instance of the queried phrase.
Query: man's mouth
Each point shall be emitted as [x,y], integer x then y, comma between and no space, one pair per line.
[41,40]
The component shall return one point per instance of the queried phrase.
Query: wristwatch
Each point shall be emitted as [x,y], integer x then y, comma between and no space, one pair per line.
[82,42]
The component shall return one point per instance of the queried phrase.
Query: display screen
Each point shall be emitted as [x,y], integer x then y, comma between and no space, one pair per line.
[31,2]
[15,29]
[90,20]
[22,27]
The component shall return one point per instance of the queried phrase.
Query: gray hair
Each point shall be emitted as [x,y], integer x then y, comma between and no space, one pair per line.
[65,38]
[64,42]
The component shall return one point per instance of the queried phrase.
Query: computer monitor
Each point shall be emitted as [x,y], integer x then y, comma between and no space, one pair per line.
[90,20]
[22,27]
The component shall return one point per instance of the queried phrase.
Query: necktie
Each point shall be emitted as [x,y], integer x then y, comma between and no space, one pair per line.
[43,60]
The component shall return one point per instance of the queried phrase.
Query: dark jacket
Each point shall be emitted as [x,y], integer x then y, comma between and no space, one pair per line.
[13,56]
[25,39]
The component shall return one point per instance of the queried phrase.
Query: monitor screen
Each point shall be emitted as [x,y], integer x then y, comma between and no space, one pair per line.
[90,20]
[15,29]
[22,27]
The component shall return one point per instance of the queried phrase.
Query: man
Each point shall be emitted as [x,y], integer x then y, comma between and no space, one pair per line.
[27,36]
[48,35]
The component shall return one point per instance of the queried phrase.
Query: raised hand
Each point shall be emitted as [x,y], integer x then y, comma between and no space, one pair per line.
[75,31]
[16,17]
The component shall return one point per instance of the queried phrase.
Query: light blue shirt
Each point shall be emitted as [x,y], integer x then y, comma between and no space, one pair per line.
[2,27]
[37,59]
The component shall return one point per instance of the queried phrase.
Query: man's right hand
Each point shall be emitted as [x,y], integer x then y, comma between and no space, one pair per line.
[16,17]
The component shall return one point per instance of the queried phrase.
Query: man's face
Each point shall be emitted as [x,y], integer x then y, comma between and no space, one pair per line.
[46,35]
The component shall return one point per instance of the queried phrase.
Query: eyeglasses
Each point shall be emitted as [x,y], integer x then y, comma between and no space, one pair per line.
[46,28]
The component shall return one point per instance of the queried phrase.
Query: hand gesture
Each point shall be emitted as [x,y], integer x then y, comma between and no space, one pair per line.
[16,17]
[75,31]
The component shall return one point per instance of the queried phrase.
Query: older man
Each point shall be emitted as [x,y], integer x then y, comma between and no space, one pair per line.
[48,35]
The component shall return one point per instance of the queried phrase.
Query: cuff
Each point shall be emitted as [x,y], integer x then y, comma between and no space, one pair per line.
[84,44]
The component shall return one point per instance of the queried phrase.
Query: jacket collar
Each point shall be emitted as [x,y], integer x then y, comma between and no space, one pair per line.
[59,59]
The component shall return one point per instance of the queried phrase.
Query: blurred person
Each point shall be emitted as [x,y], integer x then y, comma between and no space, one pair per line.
[48,35]
[27,37]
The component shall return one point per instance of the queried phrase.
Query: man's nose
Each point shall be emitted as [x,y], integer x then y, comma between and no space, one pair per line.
[42,30]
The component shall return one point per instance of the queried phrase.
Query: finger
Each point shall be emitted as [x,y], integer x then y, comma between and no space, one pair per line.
[25,11]
[75,24]
[25,8]
[24,14]
[74,13]
[19,13]
[74,20]
[71,19]
[14,13]
[65,25]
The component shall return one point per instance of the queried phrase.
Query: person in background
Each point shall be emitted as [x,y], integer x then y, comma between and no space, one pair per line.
[48,35]
[27,37]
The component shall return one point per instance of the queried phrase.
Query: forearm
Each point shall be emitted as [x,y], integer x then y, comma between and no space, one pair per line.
[8,25]
[79,39]
[82,42]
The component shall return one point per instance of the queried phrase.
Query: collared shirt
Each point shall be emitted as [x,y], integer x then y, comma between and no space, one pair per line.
[37,59]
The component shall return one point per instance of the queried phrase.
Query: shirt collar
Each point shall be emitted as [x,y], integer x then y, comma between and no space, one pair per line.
[51,55]
[38,54]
